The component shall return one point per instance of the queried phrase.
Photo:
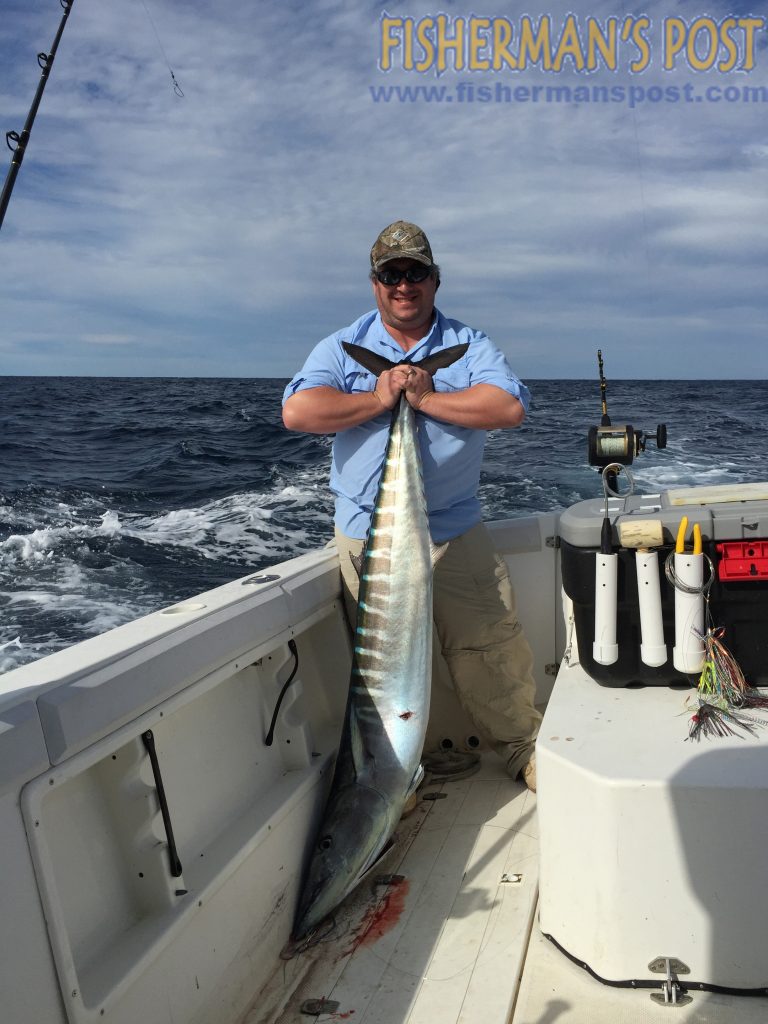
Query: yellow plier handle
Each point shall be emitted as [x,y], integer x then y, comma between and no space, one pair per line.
[680,541]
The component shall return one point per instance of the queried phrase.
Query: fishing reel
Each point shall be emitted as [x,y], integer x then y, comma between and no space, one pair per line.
[608,443]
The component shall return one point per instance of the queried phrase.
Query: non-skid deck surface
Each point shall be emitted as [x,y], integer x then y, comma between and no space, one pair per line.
[447,941]
[554,990]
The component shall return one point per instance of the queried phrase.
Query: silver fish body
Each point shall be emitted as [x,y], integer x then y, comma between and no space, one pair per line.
[387,711]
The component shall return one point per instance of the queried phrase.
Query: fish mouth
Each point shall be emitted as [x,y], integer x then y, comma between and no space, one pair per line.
[300,941]
[308,919]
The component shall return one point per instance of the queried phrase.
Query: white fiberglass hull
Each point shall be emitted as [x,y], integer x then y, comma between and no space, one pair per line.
[103,921]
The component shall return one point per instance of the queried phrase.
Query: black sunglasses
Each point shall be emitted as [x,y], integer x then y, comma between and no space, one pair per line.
[413,275]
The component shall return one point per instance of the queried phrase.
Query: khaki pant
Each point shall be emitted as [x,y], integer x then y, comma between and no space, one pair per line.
[480,648]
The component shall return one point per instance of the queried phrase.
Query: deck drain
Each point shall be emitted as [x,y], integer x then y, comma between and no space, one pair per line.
[513,879]
[314,1007]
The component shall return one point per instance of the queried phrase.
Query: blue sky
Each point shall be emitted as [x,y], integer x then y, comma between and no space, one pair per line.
[222,234]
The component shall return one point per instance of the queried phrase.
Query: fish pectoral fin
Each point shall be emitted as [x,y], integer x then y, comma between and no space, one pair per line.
[376,860]
[436,551]
[416,781]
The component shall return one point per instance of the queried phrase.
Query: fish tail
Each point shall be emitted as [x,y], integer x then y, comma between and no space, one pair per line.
[370,360]
[378,364]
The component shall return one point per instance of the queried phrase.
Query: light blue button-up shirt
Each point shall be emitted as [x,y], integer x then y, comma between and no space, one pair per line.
[451,455]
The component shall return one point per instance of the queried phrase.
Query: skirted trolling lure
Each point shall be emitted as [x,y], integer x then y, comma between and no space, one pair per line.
[724,698]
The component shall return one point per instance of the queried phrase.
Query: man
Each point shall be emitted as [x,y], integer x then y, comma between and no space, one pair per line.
[482,647]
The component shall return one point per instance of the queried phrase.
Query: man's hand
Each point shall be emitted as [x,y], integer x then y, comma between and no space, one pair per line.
[417,383]
[391,383]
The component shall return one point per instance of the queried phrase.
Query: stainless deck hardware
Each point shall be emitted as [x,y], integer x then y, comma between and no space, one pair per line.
[671,992]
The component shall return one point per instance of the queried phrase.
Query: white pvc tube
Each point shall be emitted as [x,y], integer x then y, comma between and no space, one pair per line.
[605,650]
[653,650]
[688,654]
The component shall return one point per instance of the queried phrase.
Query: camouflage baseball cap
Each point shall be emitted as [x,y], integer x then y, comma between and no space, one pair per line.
[400,241]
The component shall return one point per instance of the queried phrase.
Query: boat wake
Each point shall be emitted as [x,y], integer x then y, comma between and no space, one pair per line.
[92,567]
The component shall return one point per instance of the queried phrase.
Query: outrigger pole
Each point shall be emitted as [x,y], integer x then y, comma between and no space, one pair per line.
[17,143]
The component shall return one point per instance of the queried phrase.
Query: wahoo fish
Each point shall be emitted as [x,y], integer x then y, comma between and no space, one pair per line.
[378,764]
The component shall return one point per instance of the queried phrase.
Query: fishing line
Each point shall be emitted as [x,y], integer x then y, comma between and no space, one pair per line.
[669,572]
[176,86]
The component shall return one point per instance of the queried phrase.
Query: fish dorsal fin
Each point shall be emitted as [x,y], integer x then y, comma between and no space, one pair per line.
[377,364]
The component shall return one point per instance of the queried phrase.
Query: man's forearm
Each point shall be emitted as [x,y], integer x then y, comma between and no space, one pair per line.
[325,410]
[481,407]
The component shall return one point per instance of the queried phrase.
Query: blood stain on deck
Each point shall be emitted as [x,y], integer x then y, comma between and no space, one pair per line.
[384,915]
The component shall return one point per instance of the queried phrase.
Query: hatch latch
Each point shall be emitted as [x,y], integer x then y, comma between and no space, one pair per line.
[672,993]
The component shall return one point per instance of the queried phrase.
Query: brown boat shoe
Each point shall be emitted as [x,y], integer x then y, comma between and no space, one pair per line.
[529,774]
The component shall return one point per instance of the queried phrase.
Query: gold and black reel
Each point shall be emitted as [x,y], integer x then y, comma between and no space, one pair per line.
[617,443]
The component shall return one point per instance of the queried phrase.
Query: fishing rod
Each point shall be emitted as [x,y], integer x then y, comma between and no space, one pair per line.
[17,143]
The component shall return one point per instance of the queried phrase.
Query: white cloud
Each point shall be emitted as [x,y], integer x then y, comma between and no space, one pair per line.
[229,230]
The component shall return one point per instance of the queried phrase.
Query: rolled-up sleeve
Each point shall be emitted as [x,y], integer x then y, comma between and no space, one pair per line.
[324,368]
[488,365]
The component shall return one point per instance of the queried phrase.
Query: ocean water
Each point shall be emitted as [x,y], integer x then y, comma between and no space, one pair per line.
[121,496]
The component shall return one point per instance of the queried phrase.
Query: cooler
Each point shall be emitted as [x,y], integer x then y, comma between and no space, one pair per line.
[734,527]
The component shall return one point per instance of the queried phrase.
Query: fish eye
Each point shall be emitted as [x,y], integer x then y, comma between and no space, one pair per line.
[325,843]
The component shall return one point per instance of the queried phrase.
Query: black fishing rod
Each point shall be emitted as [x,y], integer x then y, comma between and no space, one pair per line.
[17,143]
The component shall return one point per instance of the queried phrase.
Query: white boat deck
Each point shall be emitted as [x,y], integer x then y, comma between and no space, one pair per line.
[455,937]
[448,941]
